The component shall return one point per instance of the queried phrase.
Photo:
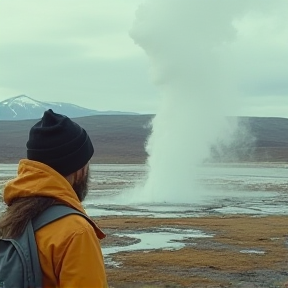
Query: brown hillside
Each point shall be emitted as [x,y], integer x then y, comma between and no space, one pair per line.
[121,139]
[116,138]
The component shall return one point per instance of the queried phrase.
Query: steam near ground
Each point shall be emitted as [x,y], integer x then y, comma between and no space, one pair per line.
[205,55]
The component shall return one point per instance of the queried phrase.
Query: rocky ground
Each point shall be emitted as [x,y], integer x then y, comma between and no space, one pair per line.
[245,251]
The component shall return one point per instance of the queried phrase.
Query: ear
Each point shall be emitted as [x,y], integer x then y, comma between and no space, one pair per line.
[71,178]
[79,174]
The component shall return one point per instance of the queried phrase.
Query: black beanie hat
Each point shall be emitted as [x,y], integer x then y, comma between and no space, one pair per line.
[60,143]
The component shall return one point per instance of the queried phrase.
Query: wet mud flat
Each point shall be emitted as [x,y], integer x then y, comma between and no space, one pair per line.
[239,251]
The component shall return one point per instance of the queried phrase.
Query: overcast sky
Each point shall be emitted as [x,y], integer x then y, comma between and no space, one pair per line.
[83,52]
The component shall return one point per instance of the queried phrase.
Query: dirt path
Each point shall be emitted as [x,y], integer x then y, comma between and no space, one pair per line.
[244,252]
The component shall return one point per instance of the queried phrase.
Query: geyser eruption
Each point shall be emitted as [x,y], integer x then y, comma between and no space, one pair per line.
[191,46]
[185,42]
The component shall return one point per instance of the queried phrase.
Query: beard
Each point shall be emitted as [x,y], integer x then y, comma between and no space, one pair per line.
[81,187]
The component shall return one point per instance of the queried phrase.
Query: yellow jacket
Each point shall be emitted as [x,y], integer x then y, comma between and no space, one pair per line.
[69,250]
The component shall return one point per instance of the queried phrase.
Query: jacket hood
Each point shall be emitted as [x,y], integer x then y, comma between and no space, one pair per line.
[37,179]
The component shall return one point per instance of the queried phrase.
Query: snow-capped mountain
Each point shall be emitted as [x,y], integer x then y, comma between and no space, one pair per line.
[23,107]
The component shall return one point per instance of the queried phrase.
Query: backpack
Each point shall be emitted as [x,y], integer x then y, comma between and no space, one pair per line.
[19,262]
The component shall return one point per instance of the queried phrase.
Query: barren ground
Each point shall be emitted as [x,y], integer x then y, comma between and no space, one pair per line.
[212,262]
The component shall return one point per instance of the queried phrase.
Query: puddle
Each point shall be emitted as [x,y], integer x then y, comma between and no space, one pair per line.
[248,251]
[164,238]
[271,206]
[276,209]
[109,262]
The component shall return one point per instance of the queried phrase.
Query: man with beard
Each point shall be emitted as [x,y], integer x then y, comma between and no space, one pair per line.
[56,171]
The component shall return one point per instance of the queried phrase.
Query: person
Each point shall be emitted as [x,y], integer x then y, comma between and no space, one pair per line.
[56,171]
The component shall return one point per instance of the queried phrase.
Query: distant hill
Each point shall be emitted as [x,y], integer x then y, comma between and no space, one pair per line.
[122,138]
[116,138]
[23,107]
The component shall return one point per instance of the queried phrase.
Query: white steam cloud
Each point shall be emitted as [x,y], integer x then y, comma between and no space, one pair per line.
[194,47]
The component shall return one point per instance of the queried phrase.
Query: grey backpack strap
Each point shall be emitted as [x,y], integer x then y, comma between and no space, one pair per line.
[49,215]
[32,253]
[56,212]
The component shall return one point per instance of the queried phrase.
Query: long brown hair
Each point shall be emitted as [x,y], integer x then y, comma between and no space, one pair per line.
[14,220]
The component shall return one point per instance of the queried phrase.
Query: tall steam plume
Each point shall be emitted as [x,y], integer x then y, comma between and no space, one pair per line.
[191,46]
